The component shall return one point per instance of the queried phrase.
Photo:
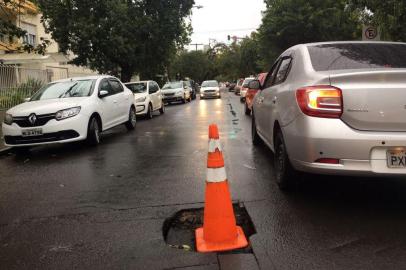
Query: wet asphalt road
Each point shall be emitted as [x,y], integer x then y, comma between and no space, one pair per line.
[75,207]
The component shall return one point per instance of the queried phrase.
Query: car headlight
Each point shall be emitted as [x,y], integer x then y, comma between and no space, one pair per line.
[67,113]
[8,119]
[142,99]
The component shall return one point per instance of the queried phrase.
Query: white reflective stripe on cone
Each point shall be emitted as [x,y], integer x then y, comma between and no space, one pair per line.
[216,175]
[213,144]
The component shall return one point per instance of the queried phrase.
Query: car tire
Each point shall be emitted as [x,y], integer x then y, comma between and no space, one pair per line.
[162,109]
[285,174]
[149,112]
[184,99]
[132,120]
[247,110]
[256,140]
[93,132]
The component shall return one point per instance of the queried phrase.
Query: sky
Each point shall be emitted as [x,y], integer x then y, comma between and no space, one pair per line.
[219,18]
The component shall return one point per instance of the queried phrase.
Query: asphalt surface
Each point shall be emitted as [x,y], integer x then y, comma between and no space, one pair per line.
[77,207]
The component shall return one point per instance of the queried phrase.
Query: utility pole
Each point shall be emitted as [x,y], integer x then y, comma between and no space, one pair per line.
[196,44]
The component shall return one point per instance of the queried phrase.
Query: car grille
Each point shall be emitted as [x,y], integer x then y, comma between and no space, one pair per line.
[210,91]
[41,120]
[48,137]
[169,94]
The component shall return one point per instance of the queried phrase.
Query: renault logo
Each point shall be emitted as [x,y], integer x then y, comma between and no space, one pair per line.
[32,118]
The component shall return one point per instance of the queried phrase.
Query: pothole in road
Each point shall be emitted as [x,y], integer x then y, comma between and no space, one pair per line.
[179,229]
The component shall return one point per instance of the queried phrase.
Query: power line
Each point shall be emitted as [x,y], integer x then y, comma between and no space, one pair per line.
[226,30]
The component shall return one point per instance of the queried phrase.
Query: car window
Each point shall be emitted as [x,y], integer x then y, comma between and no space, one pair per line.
[283,70]
[153,87]
[343,56]
[271,75]
[105,86]
[172,85]
[116,86]
[210,84]
[66,89]
[136,88]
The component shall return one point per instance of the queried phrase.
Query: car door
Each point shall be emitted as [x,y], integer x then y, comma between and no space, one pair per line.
[261,117]
[121,100]
[272,102]
[153,95]
[107,104]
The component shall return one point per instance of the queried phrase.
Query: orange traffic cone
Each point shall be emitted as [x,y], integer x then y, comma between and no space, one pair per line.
[219,232]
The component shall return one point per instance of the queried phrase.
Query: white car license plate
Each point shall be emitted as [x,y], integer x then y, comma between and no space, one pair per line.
[396,158]
[32,132]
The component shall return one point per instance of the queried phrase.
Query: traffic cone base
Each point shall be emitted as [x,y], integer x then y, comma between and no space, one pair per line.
[204,246]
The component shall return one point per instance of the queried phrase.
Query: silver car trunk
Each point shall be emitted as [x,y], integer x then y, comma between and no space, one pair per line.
[374,100]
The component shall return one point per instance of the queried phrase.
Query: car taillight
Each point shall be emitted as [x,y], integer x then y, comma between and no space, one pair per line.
[320,101]
[328,160]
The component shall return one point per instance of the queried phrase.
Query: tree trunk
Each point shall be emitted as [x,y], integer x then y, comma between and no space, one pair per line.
[126,74]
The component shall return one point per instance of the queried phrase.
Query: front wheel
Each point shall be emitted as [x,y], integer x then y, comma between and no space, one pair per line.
[256,140]
[162,109]
[132,120]
[149,112]
[93,132]
[285,174]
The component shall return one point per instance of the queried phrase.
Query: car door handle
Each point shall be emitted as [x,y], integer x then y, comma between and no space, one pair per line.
[114,101]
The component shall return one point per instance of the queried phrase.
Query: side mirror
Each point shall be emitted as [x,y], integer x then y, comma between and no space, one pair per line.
[27,99]
[103,93]
[254,85]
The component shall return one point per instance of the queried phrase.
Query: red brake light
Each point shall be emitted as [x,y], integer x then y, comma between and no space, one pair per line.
[320,101]
[328,160]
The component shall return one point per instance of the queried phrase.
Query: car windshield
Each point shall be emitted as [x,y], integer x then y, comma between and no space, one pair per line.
[173,85]
[343,56]
[137,88]
[210,84]
[247,81]
[240,82]
[66,89]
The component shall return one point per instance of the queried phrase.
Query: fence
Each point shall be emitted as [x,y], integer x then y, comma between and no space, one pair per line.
[17,84]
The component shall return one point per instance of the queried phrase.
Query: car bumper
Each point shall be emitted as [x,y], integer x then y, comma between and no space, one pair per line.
[210,95]
[173,98]
[359,152]
[64,131]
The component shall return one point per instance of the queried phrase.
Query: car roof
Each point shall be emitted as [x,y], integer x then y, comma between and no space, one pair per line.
[138,82]
[348,42]
[94,77]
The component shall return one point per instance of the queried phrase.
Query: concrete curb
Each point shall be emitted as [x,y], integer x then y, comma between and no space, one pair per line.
[5,151]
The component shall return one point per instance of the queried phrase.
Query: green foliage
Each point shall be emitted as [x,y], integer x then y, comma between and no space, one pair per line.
[119,37]
[389,15]
[14,96]
[290,22]
[194,64]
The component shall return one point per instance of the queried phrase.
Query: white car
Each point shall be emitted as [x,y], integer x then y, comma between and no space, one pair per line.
[244,88]
[210,89]
[176,91]
[147,96]
[70,110]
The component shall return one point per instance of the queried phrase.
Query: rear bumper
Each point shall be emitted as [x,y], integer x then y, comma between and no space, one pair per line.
[359,152]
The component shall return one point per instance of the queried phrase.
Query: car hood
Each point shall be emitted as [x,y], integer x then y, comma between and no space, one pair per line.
[209,88]
[140,95]
[46,106]
[170,91]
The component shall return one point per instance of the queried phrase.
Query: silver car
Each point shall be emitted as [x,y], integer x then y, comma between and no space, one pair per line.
[334,108]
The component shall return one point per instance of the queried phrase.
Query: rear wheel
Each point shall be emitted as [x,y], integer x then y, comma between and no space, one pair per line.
[162,109]
[285,174]
[149,112]
[132,120]
[246,109]
[93,132]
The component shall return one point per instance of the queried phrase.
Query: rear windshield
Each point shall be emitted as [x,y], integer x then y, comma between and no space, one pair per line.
[357,56]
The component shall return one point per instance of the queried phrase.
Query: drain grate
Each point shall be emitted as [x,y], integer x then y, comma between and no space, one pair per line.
[179,229]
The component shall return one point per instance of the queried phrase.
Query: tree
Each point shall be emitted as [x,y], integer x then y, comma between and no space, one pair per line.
[389,15]
[119,37]
[290,22]
[195,65]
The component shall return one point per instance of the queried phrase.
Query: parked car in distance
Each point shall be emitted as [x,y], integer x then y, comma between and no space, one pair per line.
[70,110]
[148,97]
[237,87]
[249,97]
[334,108]
[176,91]
[244,88]
[231,87]
[210,89]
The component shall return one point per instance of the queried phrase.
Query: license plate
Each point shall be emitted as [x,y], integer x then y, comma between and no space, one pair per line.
[32,132]
[396,158]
